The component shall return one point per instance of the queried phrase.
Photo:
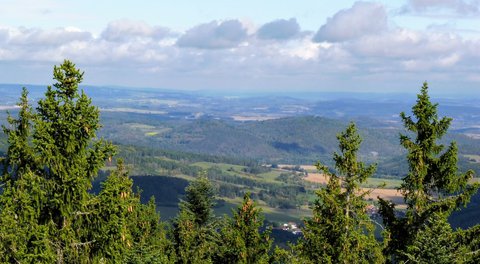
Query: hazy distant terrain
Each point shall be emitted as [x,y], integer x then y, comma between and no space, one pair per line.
[377,109]
[271,128]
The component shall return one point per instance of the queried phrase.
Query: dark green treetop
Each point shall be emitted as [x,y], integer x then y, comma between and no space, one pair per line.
[241,238]
[194,232]
[126,230]
[68,157]
[431,173]
[340,230]
[199,200]
[19,156]
[432,186]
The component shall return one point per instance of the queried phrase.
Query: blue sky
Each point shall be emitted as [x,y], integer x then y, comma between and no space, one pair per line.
[247,45]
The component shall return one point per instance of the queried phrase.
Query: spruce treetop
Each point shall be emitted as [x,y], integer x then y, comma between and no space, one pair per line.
[68,78]
[340,231]
[433,187]
[200,199]
[432,174]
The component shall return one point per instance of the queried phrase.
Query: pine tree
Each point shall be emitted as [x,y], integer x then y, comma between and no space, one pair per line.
[436,243]
[432,187]
[340,231]
[199,200]
[150,244]
[68,159]
[22,238]
[116,202]
[470,240]
[127,231]
[46,211]
[19,156]
[241,238]
[290,255]
[194,232]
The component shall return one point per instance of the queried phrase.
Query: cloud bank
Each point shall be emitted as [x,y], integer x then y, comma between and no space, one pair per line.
[355,47]
[122,30]
[214,35]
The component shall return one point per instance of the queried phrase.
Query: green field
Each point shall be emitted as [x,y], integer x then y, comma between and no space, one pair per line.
[270,176]
[473,158]
[384,183]
[151,134]
[271,214]
[222,166]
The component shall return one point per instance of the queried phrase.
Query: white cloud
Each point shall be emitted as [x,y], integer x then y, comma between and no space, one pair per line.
[403,50]
[35,37]
[460,7]
[214,35]
[404,43]
[122,30]
[303,49]
[279,29]
[363,18]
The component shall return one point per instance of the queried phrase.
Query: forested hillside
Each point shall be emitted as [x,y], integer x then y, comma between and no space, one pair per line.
[297,140]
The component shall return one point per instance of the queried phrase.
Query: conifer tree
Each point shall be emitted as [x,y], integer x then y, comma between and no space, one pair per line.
[290,255]
[199,200]
[128,231]
[241,238]
[68,159]
[436,243]
[470,240]
[432,188]
[150,244]
[47,214]
[115,206]
[194,232]
[22,237]
[20,157]
[340,231]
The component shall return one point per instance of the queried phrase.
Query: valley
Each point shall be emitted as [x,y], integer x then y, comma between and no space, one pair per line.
[266,145]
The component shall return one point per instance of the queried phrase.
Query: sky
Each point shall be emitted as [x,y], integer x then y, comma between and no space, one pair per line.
[226,45]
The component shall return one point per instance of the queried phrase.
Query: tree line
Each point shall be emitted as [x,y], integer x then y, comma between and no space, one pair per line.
[48,214]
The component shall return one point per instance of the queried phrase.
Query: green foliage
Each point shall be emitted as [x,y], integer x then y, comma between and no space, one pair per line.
[22,238]
[284,256]
[340,230]
[150,244]
[47,213]
[242,241]
[256,169]
[436,243]
[115,204]
[199,200]
[470,239]
[432,188]
[194,235]
[128,231]
[19,156]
